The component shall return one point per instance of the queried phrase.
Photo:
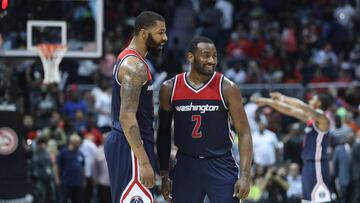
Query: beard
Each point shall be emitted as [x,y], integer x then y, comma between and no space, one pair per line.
[153,48]
[200,68]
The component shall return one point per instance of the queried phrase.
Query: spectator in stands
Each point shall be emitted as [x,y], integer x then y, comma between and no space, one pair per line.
[257,188]
[293,143]
[354,56]
[355,155]
[265,145]
[101,176]
[172,62]
[254,46]
[254,114]
[42,172]
[209,18]
[96,133]
[294,192]
[80,121]
[320,77]
[30,130]
[275,185]
[73,104]
[70,171]
[53,152]
[102,96]
[341,162]
[107,64]
[88,149]
[253,73]
[55,130]
[325,56]
[227,10]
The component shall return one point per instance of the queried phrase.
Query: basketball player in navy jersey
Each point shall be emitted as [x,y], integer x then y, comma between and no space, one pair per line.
[315,172]
[129,147]
[200,102]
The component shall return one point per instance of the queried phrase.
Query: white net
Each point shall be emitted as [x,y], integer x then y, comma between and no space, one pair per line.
[51,56]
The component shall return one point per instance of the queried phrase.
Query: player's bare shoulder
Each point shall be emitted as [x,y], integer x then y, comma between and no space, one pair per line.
[228,84]
[230,89]
[165,94]
[133,69]
[167,85]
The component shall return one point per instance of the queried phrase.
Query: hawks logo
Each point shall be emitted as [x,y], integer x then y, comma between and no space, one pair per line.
[8,141]
[136,199]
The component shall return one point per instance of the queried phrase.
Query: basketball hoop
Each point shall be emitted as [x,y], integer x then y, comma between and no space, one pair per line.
[51,56]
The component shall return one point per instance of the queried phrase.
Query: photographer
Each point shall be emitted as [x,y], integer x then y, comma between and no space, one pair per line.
[274,185]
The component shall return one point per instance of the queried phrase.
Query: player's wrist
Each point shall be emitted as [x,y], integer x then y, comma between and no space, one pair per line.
[164,174]
[245,175]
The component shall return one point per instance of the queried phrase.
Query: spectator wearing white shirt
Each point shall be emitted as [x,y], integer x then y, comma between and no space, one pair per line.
[265,145]
[227,10]
[253,114]
[88,149]
[101,176]
[102,95]
[325,56]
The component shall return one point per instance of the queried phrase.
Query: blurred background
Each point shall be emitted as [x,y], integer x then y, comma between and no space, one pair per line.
[294,47]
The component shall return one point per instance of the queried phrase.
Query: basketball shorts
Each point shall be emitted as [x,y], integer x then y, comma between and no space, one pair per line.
[124,169]
[310,183]
[195,177]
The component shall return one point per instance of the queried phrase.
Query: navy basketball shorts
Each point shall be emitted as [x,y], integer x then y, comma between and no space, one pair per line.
[124,169]
[194,177]
[309,179]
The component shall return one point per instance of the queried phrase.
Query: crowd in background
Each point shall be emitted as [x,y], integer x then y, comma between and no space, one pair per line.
[258,41]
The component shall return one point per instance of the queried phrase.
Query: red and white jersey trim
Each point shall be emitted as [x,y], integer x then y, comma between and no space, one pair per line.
[212,90]
[122,56]
[203,87]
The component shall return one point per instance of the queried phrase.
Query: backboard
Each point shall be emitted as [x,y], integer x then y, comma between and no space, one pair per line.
[78,24]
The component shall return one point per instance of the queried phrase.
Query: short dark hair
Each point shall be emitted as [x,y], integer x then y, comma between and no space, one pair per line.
[196,40]
[325,100]
[41,140]
[147,19]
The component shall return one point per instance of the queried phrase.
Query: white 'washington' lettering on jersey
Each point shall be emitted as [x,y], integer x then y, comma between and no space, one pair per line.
[201,108]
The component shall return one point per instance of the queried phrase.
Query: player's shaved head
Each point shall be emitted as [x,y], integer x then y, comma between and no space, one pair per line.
[147,19]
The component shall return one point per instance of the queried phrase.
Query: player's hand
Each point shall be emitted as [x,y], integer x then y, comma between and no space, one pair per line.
[147,175]
[166,186]
[277,96]
[242,187]
[259,101]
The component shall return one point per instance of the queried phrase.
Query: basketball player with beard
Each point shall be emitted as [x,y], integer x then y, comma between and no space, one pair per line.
[129,147]
[200,102]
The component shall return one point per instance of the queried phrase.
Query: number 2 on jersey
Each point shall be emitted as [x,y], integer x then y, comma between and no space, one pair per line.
[196,133]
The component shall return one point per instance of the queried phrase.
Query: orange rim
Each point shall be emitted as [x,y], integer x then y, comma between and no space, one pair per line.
[48,49]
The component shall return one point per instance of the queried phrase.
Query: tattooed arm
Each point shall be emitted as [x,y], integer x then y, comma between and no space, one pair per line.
[233,99]
[132,75]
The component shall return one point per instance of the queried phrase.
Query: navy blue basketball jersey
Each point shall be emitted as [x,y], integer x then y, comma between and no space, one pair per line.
[315,144]
[145,112]
[201,118]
